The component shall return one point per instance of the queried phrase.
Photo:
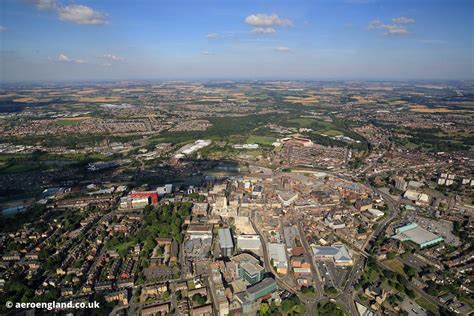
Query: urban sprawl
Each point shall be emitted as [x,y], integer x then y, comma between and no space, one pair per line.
[238,198]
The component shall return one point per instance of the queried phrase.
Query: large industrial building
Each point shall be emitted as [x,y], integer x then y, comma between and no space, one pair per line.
[414,233]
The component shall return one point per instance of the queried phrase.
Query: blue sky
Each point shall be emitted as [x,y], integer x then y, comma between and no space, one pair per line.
[54,40]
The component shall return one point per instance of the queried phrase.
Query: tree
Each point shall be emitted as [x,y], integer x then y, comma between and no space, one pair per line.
[288,303]
[264,309]
[307,290]
[329,309]
[410,271]
[199,299]
[410,293]
[330,290]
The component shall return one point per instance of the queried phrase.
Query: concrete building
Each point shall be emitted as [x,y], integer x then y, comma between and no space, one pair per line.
[226,242]
[200,209]
[249,242]
[400,183]
[338,253]
[376,213]
[251,272]
[261,289]
[166,189]
[277,254]
[287,197]
[250,300]
[414,233]
[199,231]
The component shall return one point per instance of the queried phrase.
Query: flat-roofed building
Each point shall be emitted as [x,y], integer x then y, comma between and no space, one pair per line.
[248,267]
[249,242]
[225,241]
[199,231]
[200,209]
[375,213]
[251,272]
[277,254]
[250,300]
[418,235]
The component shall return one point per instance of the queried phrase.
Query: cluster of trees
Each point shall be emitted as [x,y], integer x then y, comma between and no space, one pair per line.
[72,141]
[399,282]
[394,279]
[199,299]
[13,223]
[428,138]
[17,290]
[330,290]
[289,306]
[222,128]
[307,290]
[330,309]
[460,231]
[165,220]
[162,221]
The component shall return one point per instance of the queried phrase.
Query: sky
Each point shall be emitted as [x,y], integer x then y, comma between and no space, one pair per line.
[63,40]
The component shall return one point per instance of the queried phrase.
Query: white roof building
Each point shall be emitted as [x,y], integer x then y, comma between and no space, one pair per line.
[278,255]
[337,252]
[249,242]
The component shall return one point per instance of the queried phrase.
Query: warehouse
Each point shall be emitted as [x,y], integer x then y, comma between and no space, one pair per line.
[420,236]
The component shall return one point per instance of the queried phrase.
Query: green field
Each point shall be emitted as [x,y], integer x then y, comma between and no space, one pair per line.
[263,140]
[427,305]
[332,132]
[395,265]
[18,168]
[67,122]
[302,121]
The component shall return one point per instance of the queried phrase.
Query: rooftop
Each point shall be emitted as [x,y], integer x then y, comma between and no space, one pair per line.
[416,234]
[225,238]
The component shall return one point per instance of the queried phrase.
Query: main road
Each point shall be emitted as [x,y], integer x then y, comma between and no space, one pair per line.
[281,282]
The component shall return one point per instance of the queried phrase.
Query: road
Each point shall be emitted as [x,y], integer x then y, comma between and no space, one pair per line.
[314,270]
[281,282]
[346,298]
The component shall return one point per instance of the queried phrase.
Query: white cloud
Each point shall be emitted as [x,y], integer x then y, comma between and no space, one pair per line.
[212,36]
[282,49]
[403,20]
[264,30]
[3,28]
[394,29]
[75,13]
[113,58]
[65,59]
[266,24]
[374,24]
[45,4]
[390,29]
[81,14]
